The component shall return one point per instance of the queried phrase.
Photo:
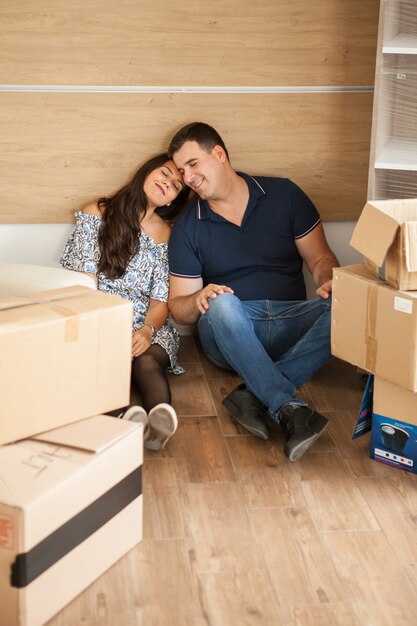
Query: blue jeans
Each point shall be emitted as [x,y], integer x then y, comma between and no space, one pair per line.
[274,346]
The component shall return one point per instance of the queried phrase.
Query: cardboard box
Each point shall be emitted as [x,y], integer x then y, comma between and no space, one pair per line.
[64,355]
[374,326]
[70,507]
[386,234]
[391,415]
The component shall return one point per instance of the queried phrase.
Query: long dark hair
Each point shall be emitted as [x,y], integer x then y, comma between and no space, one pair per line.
[121,216]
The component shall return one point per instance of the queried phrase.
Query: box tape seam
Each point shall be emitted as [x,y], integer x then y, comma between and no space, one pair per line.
[30,565]
[371,342]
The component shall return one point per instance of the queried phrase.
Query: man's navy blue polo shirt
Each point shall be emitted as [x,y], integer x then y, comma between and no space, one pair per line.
[259,259]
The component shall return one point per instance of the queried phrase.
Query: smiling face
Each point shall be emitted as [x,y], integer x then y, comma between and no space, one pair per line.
[201,170]
[163,184]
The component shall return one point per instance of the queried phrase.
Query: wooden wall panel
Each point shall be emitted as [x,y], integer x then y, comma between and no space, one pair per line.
[61,150]
[221,42]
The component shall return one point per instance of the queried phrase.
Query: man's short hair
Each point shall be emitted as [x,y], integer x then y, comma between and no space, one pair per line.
[206,137]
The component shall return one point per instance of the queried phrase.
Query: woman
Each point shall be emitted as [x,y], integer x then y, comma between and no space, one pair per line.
[122,241]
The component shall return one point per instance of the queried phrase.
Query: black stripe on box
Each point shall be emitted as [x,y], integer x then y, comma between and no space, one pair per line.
[29,565]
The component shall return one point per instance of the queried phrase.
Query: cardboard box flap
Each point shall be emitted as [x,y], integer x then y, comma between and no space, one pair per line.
[402,209]
[40,465]
[43,297]
[360,271]
[410,239]
[93,434]
[374,233]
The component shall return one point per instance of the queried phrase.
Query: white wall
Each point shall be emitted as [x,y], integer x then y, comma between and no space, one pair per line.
[338,235]
[38,244]
[42,244]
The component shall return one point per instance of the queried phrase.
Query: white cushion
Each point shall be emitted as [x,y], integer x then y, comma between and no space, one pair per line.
[18,279]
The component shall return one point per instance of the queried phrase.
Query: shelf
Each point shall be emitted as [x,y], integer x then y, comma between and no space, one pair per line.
[398,155]
[393,155]
[401,44]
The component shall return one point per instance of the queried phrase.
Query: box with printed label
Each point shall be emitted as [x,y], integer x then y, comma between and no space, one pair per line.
[70,507]
[374,326]
[390,412]
[386,234]
[65,355]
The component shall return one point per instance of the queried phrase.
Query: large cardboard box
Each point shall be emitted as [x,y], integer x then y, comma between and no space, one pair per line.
[65,355]
[70,507]
[374,326]
[390,412]
[386,234]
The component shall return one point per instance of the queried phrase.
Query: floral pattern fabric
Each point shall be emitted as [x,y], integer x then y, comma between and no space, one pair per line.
[146,277]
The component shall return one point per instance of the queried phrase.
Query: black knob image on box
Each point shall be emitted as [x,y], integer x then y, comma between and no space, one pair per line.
[393,438]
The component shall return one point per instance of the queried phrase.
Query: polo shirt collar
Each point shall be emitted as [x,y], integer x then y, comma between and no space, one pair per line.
[256,191]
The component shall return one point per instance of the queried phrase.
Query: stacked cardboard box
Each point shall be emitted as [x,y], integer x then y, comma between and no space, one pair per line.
[70,498]
[374,325]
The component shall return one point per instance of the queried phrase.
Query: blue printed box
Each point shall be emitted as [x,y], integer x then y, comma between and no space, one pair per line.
[394,442]
[390,413]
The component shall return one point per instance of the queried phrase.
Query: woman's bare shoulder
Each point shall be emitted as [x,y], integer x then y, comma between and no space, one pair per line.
[92,209]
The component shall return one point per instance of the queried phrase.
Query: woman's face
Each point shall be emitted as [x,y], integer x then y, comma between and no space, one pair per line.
[163,184]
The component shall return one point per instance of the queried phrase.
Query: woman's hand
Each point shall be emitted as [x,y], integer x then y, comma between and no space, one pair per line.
[141,340]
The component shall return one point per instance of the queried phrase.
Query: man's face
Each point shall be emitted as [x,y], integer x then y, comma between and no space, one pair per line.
[201,169]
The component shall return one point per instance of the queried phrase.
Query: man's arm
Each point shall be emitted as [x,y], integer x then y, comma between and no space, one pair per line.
[188,299]
[319,259]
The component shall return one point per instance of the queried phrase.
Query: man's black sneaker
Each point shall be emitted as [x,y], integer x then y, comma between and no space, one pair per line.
[247,410]
[301,426]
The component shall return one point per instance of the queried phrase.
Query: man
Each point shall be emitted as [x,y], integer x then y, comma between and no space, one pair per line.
[236,257]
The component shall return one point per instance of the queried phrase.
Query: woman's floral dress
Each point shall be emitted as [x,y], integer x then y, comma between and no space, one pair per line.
[146,277]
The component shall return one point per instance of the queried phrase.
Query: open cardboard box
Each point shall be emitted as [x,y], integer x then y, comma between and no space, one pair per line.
[386,234]
[374,326]
[65,355]
[70,507]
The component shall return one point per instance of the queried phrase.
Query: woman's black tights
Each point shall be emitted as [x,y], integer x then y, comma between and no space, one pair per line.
[150,378]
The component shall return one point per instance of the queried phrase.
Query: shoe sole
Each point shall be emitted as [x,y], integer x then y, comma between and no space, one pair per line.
[138,415]
[163,423]
[236,414]
[298,451]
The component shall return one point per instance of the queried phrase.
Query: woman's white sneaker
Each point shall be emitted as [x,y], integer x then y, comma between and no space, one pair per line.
[163,423]
[138,414]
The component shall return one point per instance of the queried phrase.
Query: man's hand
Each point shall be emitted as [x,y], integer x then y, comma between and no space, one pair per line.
[324,290]
[209,291]
[141,340]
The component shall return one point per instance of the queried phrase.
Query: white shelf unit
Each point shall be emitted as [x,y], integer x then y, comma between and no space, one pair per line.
[401,44]
[398,155]
[393,155]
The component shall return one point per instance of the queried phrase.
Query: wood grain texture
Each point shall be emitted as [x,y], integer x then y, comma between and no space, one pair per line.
[224,42]
[200,452]
[394,504]
[339,614]
[334,502]
[63,150]
[379,591]
[236,534]
[300,567]
[263,473]
[190,392]
[163,516]
[243,597]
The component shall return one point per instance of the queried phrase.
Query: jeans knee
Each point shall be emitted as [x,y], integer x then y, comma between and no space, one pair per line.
[223,307]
